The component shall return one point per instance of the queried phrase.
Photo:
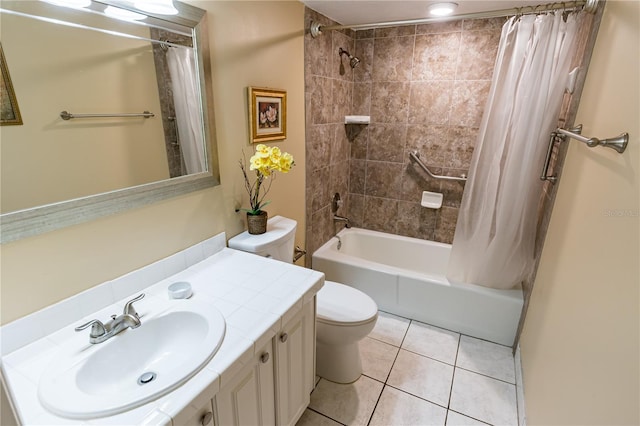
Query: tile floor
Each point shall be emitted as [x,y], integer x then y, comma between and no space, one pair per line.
[417,374]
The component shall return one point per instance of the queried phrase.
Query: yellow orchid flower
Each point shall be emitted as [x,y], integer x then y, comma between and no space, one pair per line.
[265,161]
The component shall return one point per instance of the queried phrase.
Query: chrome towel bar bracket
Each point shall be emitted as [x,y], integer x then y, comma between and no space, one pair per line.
[618,143]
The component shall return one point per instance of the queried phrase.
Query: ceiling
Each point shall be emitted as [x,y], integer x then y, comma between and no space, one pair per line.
[349,12]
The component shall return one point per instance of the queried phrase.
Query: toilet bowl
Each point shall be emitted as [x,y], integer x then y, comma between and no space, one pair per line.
[344,316]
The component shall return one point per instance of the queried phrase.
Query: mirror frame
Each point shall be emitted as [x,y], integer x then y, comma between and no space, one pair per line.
[38,220]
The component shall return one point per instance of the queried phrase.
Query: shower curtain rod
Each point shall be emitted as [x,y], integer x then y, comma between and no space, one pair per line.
[586,5]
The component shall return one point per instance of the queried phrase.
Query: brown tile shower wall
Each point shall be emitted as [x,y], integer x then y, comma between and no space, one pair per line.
[425,88]
[328,97]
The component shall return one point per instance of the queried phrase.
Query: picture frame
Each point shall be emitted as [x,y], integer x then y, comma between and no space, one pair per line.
[267,114]
[9,111]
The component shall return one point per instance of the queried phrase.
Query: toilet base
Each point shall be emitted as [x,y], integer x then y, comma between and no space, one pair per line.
[338,363]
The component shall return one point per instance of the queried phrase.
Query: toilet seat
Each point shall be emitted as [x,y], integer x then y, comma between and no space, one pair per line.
[341,305]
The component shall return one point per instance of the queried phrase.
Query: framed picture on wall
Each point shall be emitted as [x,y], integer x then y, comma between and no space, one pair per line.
[267,114]
[9,111]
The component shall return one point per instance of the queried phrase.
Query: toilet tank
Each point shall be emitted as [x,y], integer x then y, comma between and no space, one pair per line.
[276,243]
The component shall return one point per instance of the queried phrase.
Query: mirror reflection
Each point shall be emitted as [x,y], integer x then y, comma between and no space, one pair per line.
[84,62]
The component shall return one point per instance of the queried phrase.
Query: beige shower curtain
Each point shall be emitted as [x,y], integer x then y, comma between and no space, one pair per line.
[495,235]
[186,95]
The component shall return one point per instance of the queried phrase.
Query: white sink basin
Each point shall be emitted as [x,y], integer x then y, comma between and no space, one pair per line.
[103,379]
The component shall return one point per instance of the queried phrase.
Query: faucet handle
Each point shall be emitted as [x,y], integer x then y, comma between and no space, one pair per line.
[336,203]
[129,309]
[97,328]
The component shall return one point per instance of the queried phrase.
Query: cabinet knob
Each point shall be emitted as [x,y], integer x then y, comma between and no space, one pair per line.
[264,357]
[206,418]
[284,337]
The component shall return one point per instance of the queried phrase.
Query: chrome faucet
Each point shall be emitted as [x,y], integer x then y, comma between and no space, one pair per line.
[347,223]
[101,332]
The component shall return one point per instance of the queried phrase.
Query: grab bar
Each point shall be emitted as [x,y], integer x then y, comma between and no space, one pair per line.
[65,115]
[414,156]
[554,137]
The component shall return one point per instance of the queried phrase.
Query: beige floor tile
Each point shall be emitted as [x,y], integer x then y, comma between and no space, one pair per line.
[457,419]
[486,358]
[398,408]
[350,404]
[311,418]
[423,377]
[417,361]
[483,398]
[377,358]
[390,328]
[431,341]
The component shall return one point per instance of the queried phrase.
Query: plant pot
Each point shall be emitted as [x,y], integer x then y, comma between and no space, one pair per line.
[257,223]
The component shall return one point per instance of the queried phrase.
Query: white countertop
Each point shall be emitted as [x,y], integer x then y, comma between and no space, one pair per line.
[255,295]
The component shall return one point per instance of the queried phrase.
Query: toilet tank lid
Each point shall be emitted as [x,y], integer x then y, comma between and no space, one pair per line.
[279,229]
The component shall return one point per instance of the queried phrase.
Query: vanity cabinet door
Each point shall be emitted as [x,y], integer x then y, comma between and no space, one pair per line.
[204,417]
[295,367]
[248,399]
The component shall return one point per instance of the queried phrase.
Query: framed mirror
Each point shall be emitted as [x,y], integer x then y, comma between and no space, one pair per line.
[116,110]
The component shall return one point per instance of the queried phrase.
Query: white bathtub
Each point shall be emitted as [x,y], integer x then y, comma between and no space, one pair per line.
[406,277]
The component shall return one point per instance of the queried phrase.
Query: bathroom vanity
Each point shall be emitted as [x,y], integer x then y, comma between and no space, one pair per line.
[255,315]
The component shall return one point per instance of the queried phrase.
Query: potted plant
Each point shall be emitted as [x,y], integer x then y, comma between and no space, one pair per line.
[266,161]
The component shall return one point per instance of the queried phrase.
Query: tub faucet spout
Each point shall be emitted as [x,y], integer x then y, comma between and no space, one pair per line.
[347,222]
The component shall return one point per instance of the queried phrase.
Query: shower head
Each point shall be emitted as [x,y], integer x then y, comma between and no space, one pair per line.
[353,61]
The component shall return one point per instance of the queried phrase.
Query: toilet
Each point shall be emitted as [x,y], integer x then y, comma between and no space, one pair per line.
[344,315]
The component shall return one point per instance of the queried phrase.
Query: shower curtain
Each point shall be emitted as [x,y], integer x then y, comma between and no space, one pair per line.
[186,97]
[494,240]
